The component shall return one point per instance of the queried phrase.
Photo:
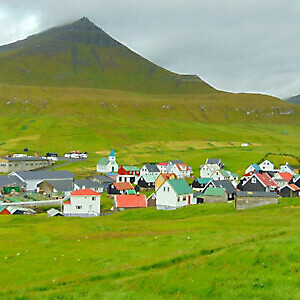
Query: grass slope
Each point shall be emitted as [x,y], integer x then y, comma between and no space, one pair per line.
[206,251]
[82,55]
[144,128]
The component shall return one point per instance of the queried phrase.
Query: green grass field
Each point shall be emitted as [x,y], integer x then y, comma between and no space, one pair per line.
[205,251]
[137,126]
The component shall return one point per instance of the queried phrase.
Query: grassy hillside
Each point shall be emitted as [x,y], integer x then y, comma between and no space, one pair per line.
[82,55]
[206,251]
[75,87]
[145,128]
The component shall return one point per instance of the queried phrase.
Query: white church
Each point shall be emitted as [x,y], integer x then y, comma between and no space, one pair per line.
[108,164]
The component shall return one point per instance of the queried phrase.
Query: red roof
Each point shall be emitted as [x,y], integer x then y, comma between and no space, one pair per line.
[266,180]
[294,187]
[131,201]
[121,186]
[163,164]
[85,192]
[286,176]
[183,167]
[167,176]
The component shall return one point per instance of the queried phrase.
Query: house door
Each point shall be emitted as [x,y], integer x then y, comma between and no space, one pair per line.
[113,169]
[189,200]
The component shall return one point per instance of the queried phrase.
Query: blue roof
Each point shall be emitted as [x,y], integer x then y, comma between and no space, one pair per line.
[256,166]
[112,153]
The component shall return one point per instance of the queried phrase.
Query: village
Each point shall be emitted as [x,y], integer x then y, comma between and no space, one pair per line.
[28,188]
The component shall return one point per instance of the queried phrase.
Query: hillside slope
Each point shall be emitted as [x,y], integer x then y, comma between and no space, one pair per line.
[83,55]
[294,100]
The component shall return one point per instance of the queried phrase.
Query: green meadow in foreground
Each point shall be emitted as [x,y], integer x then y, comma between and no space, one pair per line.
[204,251]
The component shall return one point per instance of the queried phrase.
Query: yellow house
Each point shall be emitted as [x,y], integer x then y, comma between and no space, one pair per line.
[160,180]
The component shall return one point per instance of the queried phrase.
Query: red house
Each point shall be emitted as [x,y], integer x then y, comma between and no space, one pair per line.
[128,174]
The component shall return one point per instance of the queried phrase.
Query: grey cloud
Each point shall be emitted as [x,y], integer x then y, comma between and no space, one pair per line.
[239,46]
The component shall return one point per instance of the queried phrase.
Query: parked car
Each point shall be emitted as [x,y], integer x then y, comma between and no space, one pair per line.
[67,155]
[19,155]
[84,155]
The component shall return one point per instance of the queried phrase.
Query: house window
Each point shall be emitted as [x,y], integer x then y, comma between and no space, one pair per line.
[3,165]
[184,198]
[93,198]
[168,189]
[178,199]
[164,188]
[78,207]
[253,180]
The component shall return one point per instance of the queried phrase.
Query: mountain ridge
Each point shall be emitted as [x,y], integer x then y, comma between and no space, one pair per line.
[82,54]
[294,100]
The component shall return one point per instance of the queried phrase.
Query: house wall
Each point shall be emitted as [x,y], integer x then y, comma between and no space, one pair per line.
[166,198]
[248,202]
[207,170]
[215,199]
[18,166]
[88,206]
[249,186]
[111,167]
[267,166]
[45,187]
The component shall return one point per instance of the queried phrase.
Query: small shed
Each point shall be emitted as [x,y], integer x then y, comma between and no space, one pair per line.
[54,213]
[215,195]
[253,199]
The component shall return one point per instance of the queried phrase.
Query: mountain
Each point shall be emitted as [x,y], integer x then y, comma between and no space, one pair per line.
[83,55]
[294,100]
[75,87]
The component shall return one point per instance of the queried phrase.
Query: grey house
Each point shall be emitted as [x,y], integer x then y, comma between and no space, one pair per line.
[17,164]
[33,178]
[225,184]
[9,182]
[253,199]
[56,187]
[104,180]
[88,184]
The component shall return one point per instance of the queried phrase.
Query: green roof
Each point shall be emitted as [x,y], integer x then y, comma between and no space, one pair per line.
[149,178]
[131,168]
[224,173]
[204,180]
[131,192]
[214,191]
[180,186]
[103,161]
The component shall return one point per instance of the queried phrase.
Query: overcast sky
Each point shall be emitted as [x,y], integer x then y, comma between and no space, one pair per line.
[235,45]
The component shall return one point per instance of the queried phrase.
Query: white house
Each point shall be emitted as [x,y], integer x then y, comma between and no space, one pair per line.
[181,170]
[108,164]
[266,166]
[206,171]
[162,167]
[150,169]
[221,175]
[82,203]
[255,168]
[287,169]
[174,193]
